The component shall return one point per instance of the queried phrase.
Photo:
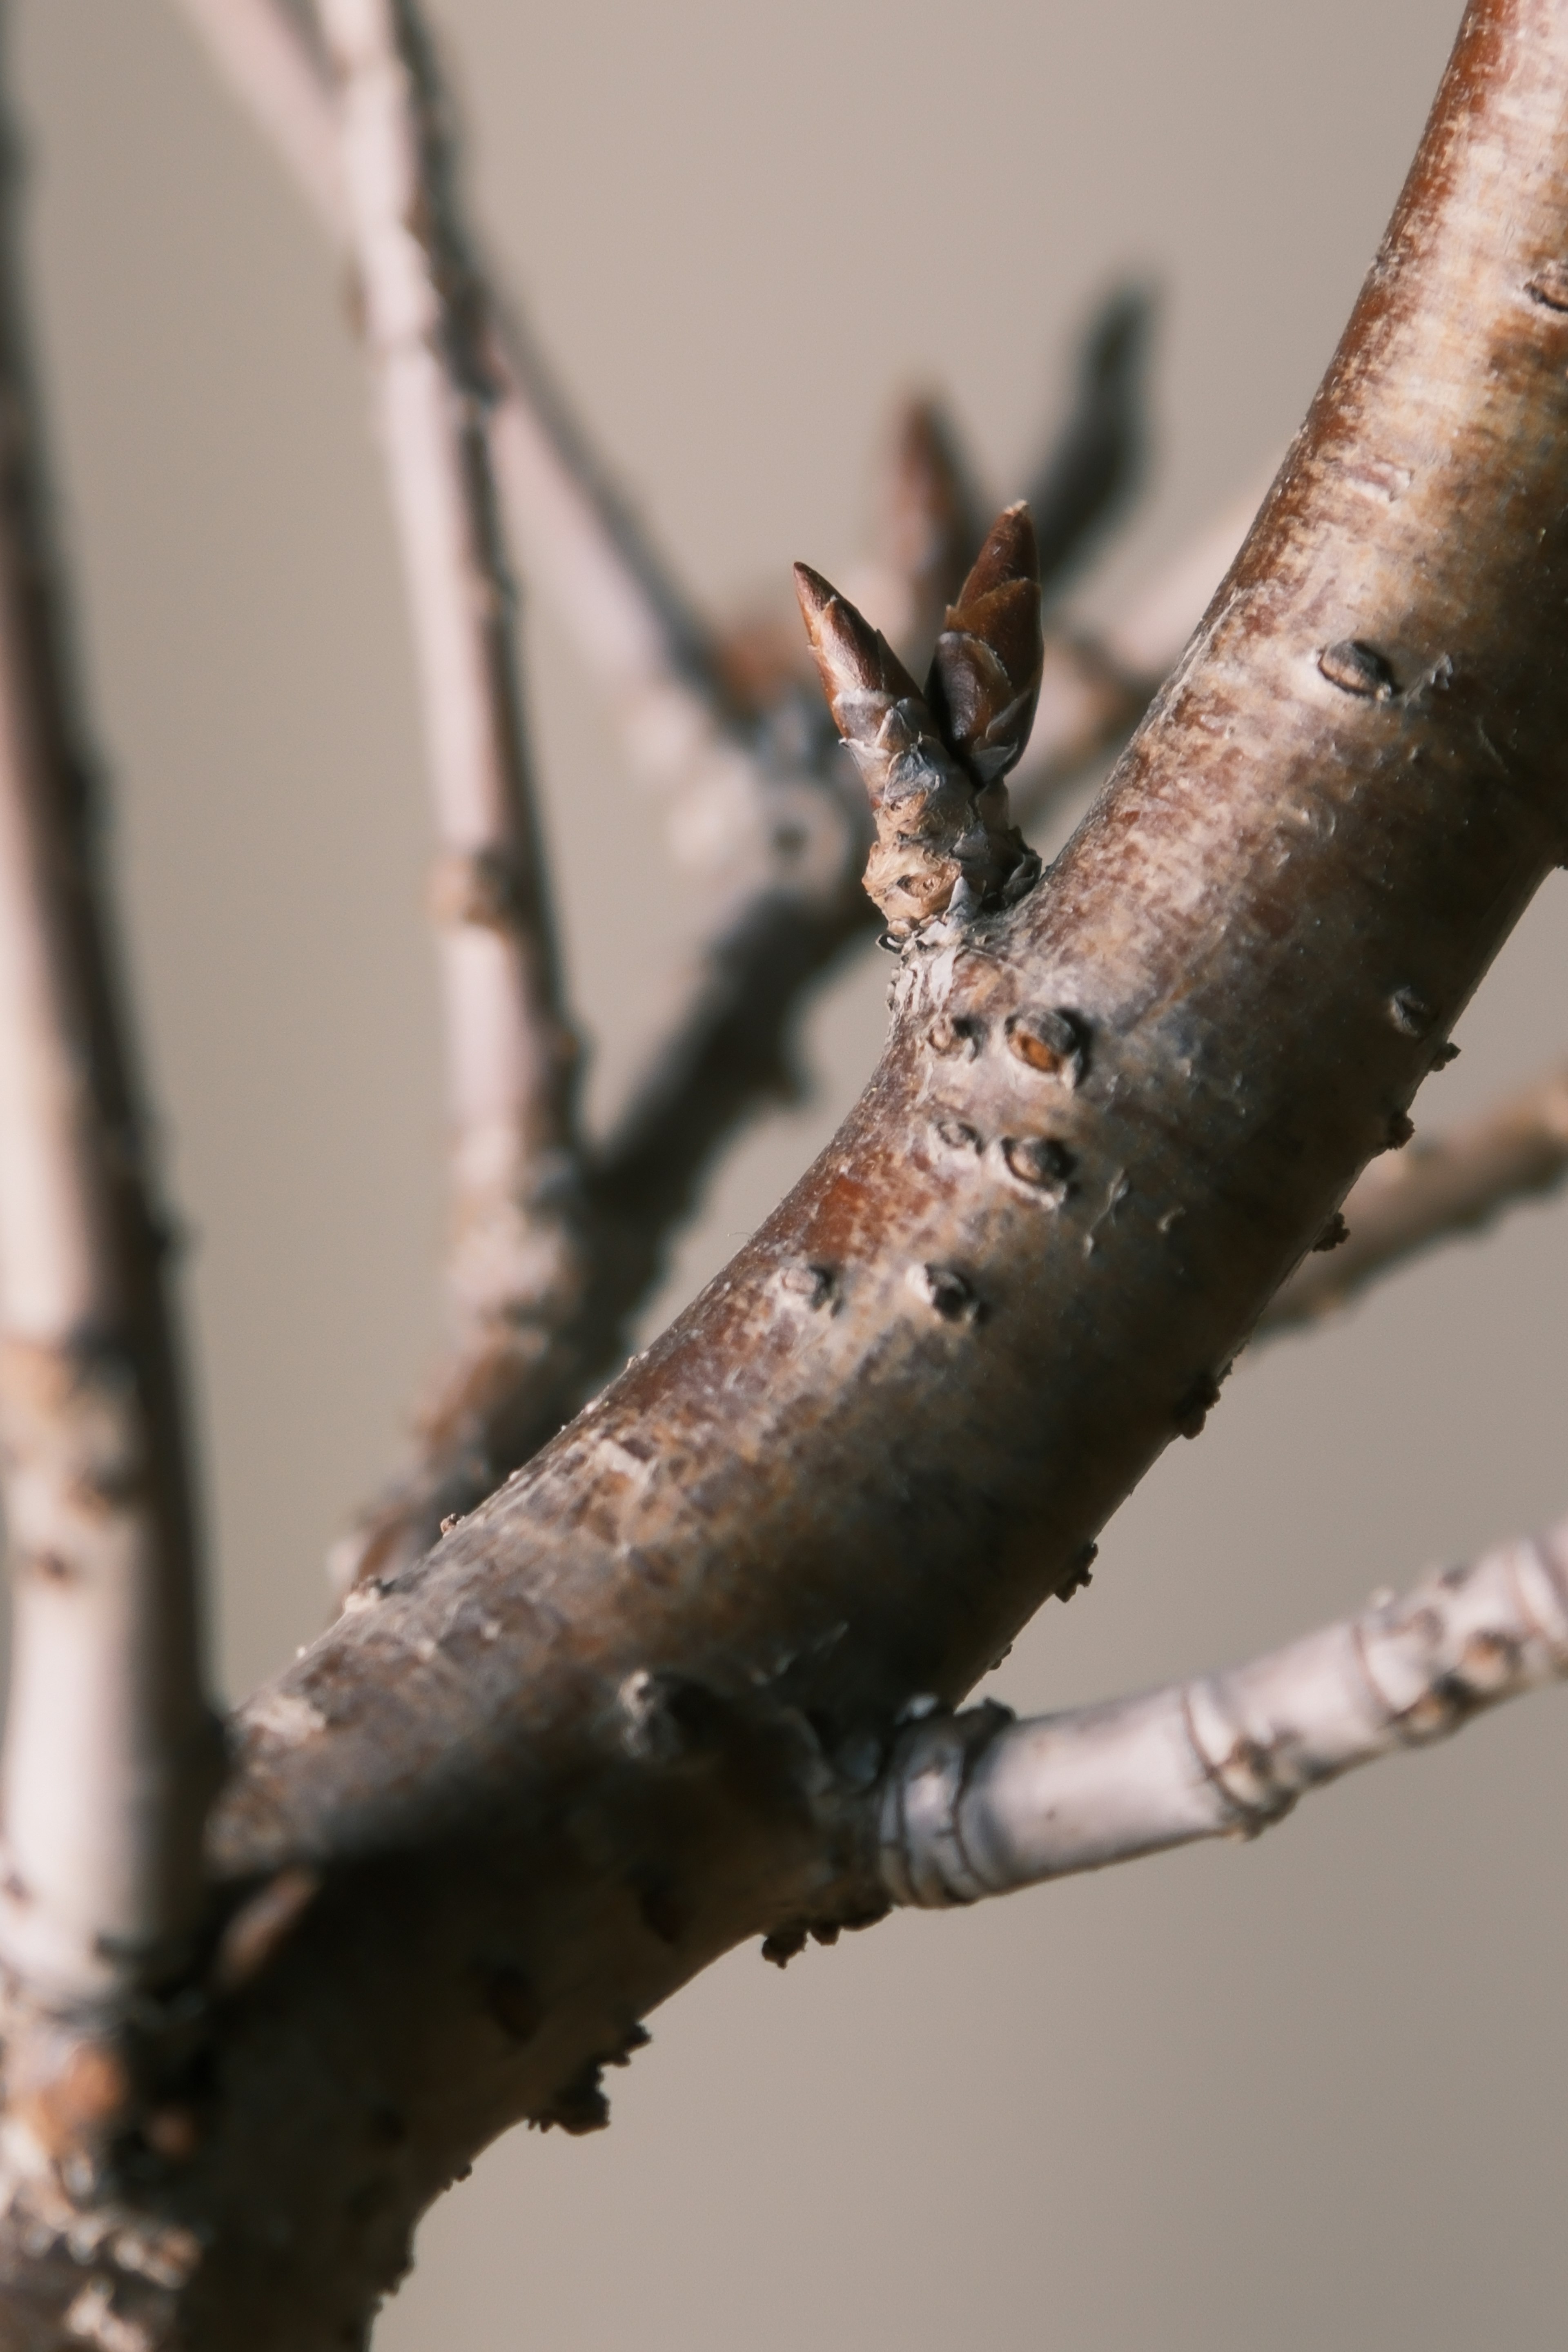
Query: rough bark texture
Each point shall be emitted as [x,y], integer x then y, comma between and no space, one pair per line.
[632,1709]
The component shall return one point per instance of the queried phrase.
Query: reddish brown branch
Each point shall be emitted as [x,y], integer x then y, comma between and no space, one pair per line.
[630,1710]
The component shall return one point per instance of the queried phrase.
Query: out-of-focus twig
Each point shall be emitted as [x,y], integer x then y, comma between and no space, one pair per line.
[112,1754]
[518,1263]
[1096,463]
[1429,1193]
[976,1804]
[270,55]
[632,623]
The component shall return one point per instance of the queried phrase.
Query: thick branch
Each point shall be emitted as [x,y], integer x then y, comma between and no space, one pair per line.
[977,1804]
[109,1750]
[1429,1192]
[630,1710]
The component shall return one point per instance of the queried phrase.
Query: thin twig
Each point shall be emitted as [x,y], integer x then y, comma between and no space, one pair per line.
[630,621]
[978,1804]
[1428,1193]
[1095,463]
[518,1265]
[110,1750]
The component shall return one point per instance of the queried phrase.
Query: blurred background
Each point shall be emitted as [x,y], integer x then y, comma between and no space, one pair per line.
[1306,2092]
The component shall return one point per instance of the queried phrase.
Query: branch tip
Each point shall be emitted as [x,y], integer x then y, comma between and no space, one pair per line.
[944,843]
[985,673]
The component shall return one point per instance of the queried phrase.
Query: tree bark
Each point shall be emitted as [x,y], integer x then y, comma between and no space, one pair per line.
[635,1706]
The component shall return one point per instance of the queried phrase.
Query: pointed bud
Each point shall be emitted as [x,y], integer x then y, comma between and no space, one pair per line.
[934,849]
[985,674]
[877,707]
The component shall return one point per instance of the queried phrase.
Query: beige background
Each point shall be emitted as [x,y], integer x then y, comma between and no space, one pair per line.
[1302,2095]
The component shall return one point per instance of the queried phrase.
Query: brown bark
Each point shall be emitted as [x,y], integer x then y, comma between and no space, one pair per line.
[634,1707]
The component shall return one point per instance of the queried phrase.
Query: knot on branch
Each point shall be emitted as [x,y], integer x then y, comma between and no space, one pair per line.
[934,764]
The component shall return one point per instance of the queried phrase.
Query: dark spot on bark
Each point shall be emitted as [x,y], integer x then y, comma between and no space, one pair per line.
[1549,286]
[1049,1039]
[173,2133]
[52,1567]
[947,1292]
[475,887]
[1489,1658]
[578,2106]
[511,2002]
[1041,1162]
[1357,667]
[634,2038]
[955,1033]
[669,1715]
[814,1286]
[1401,1127]
[1409,1011]
[109,1487]
[958,1135]
[1335,1232]
[1078,1572]
[1194,1407]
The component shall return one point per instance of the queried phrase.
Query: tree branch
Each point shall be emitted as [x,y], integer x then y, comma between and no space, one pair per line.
[632,1709]
[520,1254]
[1428,1193]
[760,796]
[111,1751]
[979,1804]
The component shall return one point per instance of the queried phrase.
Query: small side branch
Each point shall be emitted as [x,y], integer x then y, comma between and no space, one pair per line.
[1430,1191]
[111,1751]
[979,1804]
